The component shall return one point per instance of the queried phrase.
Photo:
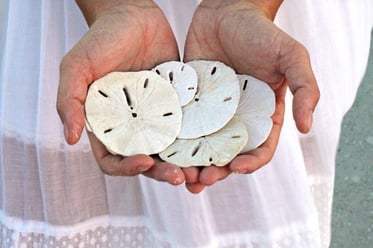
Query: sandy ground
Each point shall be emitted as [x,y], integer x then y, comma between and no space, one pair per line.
[352,222]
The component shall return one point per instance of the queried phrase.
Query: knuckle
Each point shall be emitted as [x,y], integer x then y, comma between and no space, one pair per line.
[65,62]
[107,169]
[60,106]
[299,49]
[107,172]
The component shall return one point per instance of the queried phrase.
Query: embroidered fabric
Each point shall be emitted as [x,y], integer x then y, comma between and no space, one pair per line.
[110,237]
[99,234]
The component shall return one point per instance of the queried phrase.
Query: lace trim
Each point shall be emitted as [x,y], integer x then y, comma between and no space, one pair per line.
[91,234]
[99,237]
[101,231]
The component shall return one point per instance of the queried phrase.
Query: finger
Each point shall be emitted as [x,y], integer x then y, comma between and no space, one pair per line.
[116,165]
[252,161]
[72,116]
[191,174]
[303,85]
[165,172]
[71,96]
[211,174]
[195,188]
[304,104]
[206,176]
[192,179]
[255,159]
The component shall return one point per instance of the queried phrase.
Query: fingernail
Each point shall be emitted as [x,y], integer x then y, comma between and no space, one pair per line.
[174,174]
[72,136]
[178,180]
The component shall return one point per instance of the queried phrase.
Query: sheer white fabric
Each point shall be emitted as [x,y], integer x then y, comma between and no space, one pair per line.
[54,195]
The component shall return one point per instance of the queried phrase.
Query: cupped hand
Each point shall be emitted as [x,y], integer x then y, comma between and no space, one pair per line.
[242,35]
[130,36]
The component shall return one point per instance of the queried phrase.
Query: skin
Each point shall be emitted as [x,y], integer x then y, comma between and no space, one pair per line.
[261,50]
[123,36]
[134,35]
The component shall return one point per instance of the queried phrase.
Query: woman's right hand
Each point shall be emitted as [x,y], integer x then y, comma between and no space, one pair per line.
[123,36]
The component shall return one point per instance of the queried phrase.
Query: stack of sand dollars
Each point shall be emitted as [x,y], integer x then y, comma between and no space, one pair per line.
[198,113]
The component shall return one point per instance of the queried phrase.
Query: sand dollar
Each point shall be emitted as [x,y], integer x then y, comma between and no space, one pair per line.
[256,106]
[215,101]
[133,112]
[182,77]
[217,149]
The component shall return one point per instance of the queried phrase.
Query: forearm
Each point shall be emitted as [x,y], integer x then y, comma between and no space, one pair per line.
[92,8]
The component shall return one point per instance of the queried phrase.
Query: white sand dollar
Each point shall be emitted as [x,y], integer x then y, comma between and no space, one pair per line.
[182,77]
[215,149]
[257,105]
[215,102]
[133,112]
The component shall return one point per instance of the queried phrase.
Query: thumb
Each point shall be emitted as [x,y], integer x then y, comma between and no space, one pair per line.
[302,83]
[72,91]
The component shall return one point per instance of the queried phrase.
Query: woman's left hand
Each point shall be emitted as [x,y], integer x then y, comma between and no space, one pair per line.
[242,35]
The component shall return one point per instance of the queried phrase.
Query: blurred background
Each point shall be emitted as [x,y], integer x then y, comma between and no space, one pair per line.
[352,223]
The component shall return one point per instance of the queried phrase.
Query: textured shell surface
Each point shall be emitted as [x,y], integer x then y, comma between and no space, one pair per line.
[182,77]
[217,149]
[215,101]
[256,106]
[133,112]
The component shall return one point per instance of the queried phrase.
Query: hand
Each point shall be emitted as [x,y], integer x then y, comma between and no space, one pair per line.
[133,35]
[242,35]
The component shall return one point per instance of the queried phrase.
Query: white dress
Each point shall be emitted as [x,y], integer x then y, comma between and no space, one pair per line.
[55,195]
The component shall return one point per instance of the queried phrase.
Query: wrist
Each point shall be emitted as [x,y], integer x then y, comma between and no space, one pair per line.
[91,9]
[268,7]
